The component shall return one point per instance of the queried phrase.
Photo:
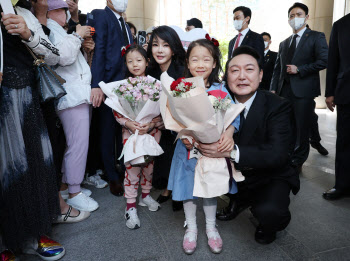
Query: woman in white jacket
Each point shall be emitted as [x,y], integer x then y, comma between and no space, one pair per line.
[73,109]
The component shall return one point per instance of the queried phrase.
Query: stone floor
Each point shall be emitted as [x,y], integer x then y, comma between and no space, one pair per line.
[319,230]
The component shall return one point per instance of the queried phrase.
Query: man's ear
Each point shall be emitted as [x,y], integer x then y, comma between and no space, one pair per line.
[261,73]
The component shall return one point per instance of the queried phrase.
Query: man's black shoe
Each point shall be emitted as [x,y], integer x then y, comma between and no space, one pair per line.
[334,194]
[264,238]
[232,211]
[322,150]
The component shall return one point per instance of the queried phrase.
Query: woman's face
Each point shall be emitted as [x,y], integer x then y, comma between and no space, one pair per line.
[201,62]
[58,15]
[161,51]
[244,75]
[136,63]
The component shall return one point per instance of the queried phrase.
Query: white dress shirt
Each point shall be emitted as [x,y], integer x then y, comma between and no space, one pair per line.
[300,34]
[244,33]
[118,16]
[266,51]
[247,105]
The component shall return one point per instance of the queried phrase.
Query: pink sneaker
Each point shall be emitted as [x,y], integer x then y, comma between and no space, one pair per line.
[214,240]
[190,241]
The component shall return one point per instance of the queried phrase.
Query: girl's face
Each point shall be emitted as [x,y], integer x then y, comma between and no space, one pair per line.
[58,15]
[136,63]
[201,62]
[161,51]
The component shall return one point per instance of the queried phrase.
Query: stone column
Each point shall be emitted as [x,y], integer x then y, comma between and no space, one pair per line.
[143,13]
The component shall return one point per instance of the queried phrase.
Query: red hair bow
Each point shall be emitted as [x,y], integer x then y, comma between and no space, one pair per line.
[215,42]
[125,48]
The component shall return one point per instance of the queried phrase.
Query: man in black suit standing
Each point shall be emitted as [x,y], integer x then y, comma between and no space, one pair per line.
[296,75]
[241,20]
[338,94]
[262,149]
[269,62]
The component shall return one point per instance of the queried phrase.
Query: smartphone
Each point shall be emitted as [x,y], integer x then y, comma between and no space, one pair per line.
[141,38]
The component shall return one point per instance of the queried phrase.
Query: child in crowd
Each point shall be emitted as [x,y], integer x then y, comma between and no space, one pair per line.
[203,59]
[136,62]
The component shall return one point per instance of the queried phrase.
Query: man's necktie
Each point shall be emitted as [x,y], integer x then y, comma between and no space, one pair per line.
[242,120]
[237,41]
[125,35]
[291,49]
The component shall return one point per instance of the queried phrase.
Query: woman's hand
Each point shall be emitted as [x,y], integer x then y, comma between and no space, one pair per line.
[146,128]
[83,31]
[88,45]
[159,122]
[226,143]
[132,126]
[15,24]
[187,143]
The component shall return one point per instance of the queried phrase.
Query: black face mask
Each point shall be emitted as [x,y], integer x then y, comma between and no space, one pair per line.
[27,4]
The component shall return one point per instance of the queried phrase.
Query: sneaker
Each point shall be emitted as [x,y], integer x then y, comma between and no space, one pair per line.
[83,203]
[149,202]
[214,240]
[65,193]
[46,249]
[7,255]
[132,220]
[189,243]
[96,181]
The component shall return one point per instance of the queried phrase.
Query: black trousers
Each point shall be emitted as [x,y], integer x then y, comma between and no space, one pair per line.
[270,204]
[304,109]
[108,129]
[342,167]
[314,132]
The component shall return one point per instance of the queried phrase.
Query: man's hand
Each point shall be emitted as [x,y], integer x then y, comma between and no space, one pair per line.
[211,150]
[40,10]
[88,45]
[273,92]
[97,97]
[0,77]
[330,103]
[15,24]
[74,10]
[292,69]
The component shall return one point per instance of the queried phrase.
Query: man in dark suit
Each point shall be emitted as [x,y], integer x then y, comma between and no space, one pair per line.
[338,94]
[296,75]
[112,33]
[241,20]
[262,149]
[269,62]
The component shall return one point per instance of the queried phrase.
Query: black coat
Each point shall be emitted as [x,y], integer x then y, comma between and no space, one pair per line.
[338,72]
[269,65]
[251,39]
[310,57]
[266,141]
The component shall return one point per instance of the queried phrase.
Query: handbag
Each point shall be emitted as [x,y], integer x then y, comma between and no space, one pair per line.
[49,83]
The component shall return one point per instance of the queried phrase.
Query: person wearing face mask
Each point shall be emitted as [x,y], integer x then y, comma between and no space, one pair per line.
[269,62]
[241,20]
[111,34]
[296,76]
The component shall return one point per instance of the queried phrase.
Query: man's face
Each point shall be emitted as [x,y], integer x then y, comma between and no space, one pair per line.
[297,12]
[189,28]
[243,76]
[267,40]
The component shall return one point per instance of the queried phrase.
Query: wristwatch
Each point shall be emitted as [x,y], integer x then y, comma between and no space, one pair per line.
[233,153]
[297,70]
[31,38]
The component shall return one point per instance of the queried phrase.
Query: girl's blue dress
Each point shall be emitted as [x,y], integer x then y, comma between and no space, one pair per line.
[181,177]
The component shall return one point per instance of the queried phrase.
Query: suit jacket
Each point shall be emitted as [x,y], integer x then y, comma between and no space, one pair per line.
[269,65]
[266,141]
[338,72]
[310,57]
[251,39]
[107,64]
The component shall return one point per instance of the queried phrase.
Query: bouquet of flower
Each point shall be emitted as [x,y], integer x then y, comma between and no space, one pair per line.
[203,116]
[136,99]
[179,88]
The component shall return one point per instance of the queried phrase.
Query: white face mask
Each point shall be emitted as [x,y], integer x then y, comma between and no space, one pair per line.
[120,5]
[238,24]
[297,23]
[266,44]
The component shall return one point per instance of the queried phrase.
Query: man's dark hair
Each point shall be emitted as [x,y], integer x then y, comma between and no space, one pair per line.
[245,10]
[131,25]
[243,50]
[195,22]
[265,33]
[300,5]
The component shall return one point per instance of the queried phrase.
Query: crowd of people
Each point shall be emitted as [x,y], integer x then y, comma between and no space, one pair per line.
[48,150]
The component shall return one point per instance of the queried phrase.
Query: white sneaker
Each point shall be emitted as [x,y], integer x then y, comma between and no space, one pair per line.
[149,202]
[132,220]
[96,181]
[65,193]
[83,203]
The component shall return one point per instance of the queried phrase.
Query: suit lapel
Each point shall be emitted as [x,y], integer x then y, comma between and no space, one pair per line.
[254,116]
[302,41]
[116,25]
[246,37]
[267,57]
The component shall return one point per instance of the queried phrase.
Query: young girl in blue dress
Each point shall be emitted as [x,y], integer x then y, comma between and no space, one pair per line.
[203,59]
